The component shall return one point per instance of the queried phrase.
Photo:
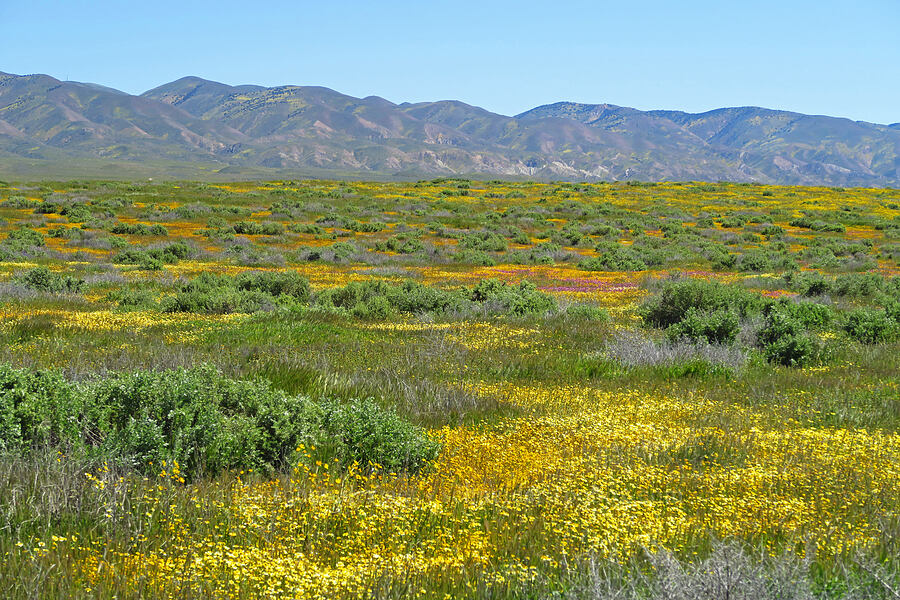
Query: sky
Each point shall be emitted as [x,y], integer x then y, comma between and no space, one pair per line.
[816,57]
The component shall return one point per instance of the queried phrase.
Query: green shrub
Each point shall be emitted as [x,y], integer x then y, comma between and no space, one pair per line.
[254,228]
[719,326]
[402,244]
[784,340]
[275,283]
[202,420]
[379,299]
[614,257]
[154,258]
[24,237]
[474,257]
[670,305]
[588,312]
[44,280]
[139,229]
[77,213]
[364,432]
[37,409]
[516,299]
[809,314]
[870,326]
[132,299]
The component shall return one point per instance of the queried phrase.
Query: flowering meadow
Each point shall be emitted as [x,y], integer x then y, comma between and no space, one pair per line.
[449,389]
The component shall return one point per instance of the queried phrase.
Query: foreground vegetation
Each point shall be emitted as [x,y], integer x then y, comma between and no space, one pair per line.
[329,389]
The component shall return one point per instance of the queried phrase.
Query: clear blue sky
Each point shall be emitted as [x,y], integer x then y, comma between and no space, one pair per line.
[823,57]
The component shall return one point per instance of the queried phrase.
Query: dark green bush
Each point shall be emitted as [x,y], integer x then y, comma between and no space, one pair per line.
[139,229]
[870,326]
[484,241]
[77,213]
[169,254]
[132,299]
[275,283]
[254,228]
[784,340]
[401,243]
[44,280]
[474,257]
[670,305]
[614,257]
[206,422]
[379,299]
[515,299]
[24,237]
[37,409]
[719,326]
[588,312]
[809,314]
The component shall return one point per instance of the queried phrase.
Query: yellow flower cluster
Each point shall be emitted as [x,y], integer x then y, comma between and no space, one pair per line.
[581,472]
[107,320]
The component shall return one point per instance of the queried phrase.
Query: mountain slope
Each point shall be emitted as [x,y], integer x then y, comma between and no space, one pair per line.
[206,126]
[778,146]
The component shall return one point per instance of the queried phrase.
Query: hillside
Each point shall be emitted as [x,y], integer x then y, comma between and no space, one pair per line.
[196,127]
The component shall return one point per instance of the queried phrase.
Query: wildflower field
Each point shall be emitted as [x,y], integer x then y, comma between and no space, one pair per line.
[449,389]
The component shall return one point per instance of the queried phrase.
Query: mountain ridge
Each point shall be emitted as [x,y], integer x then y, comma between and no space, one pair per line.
[212,127]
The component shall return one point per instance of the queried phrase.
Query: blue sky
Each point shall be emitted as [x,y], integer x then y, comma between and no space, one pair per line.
[823,57]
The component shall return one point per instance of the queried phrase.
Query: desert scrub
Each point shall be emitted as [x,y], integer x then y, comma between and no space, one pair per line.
[42,279]
[206,422]
[380,299]
[249,292]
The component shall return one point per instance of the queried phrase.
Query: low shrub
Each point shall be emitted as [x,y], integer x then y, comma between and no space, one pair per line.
[154,258]
[249,292]
[202,420]
[43,279]
[588,312]
[139,229]
[870,326]
[516,299]
[614,257]
[784,340]
[676,297]
[719,326]
[24,237]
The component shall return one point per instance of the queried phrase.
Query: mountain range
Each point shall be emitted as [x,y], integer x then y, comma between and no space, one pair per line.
[195,128]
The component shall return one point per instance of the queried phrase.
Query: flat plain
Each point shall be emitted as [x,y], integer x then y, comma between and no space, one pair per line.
[449,388]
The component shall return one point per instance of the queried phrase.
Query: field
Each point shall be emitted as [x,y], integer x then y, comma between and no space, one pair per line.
[447,389]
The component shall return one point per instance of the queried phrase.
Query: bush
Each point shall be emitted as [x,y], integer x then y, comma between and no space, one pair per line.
[379,299]
[250,292]
[614,257]
[254,228]
[474,257]
[588,312]
[276,283]
[870,326]
[718,326]
[45,280]
[139,229]
[402,244]
[202,420]
[37,409]
[154,258]
[809,314]
[521,299]
[784,340]
[24,237]
[677,297]
[132,299]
